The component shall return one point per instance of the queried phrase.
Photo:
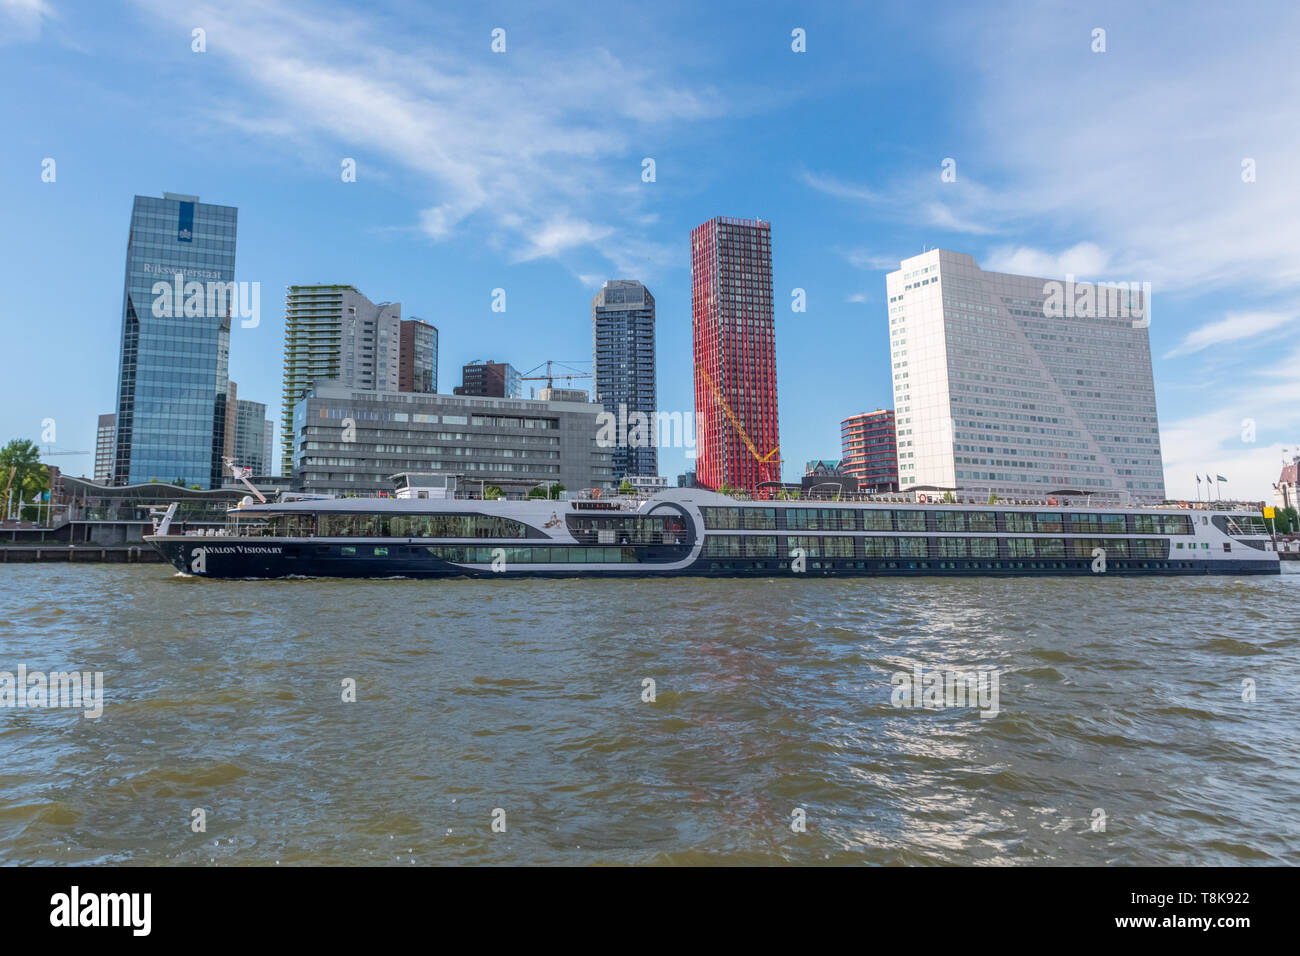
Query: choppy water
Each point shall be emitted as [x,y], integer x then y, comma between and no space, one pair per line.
[1123,696]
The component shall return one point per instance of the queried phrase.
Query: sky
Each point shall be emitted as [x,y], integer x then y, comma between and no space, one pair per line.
[1170,157]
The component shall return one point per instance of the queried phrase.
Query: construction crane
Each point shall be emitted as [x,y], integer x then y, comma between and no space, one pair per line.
[549,377]
[764,460]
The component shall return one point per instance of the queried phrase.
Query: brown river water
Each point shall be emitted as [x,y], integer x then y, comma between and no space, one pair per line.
[1140,721]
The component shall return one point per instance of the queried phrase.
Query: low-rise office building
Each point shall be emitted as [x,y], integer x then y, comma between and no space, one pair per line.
[352,442]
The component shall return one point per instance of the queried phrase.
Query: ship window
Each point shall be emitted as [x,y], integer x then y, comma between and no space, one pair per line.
[912,548]
[983,547]
[950,521]
[828,547]
[1020,547]
[759,519]
[981,521]
[911,520]
[1050,523]
[879,547]
[1113,524]
[1018,522]
[724,518]
[880,519]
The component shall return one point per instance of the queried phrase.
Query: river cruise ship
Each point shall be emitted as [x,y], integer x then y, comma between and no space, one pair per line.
[426,533]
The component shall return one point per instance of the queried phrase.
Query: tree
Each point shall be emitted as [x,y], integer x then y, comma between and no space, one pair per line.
[537,492]
[993,499]
[626,488]
[491,493]
[29,477]
[948,498]
[556,490]
[726,489]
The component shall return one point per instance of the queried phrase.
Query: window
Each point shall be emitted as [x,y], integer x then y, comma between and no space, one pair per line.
[983,547]
[950,520]
[1019,522]
[724,518]
[759,519]
[819,519]
[877,519]
[981,521]
[822,547]
[913,520]
[1051,523]
[952,547]
[1020,547]
[880,547]
[912,547]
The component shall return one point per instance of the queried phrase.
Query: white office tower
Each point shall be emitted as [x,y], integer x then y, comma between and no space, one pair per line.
[1019,386]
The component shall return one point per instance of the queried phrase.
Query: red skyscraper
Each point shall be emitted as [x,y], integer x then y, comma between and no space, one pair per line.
[870,449]
[735,353]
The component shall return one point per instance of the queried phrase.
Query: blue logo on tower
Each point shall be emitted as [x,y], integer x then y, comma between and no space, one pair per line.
[185,227]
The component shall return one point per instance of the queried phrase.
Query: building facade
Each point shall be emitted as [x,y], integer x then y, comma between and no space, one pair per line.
[489,380]
[351,442]
[734,334]
[1019,386]
[1286,493]
[333,332]
[869,450]
[173,368]
[623,364]
[418,357]
[250,436]
[105,445]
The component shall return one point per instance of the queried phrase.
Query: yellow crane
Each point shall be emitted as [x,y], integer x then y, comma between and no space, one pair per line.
[740,429]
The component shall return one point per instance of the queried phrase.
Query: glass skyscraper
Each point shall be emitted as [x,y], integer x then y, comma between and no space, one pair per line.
[173,372]
[623,363]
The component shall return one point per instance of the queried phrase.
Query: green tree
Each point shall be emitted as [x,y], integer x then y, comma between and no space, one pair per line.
[948,498]
[491,493]
[993,499]
[537,492]
[726,489]
[556,490]
[21,459]
[626,488]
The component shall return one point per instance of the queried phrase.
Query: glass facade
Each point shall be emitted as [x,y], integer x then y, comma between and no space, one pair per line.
[173,373]
[623,364]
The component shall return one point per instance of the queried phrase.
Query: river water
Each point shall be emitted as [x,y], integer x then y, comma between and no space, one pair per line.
[1125,732]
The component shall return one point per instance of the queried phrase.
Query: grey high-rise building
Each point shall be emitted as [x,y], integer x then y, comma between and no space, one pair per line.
[418,357]
[335,332]
[250,436]
[173,370]
[623,365]
[105,442]
[1021,386]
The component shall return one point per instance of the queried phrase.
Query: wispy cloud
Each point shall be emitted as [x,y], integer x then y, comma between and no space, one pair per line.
[521,145]
[21,20]
[1234,327]
[1084,260]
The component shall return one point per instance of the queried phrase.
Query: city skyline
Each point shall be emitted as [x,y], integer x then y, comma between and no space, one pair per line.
[728,117]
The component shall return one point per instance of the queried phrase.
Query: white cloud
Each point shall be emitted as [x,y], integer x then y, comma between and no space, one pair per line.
[859,297]
[1214,440]
[523,147]
[23,19]
[1232,328]
[1084,261]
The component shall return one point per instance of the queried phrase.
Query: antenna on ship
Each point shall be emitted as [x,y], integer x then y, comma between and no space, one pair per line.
[241,475]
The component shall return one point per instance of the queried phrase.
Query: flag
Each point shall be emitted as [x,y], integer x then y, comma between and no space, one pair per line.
[1221,478]
[1198,479]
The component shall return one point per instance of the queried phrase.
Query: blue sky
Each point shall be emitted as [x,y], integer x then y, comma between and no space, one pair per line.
[522,170]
